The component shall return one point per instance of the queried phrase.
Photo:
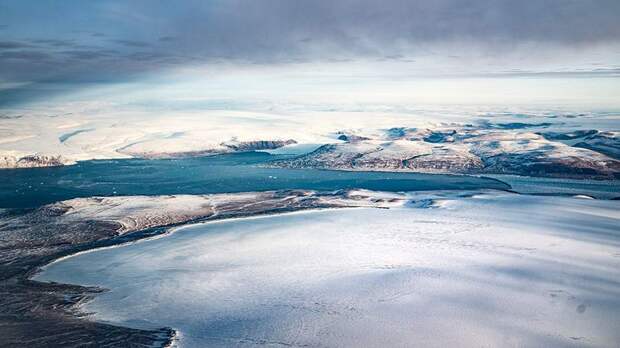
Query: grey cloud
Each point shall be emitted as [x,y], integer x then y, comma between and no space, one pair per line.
[54,42]
[283,30]
[131,43]
[367,27]
[13,44]
[585,73]
[146,56]
[25,55]
[90,54]
[147,35]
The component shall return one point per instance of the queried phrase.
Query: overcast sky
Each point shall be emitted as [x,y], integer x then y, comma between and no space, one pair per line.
[73,41]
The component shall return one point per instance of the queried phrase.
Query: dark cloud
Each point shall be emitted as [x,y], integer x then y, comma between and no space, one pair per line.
[90,54]
[281,30]
[122,38]
[13,44]
[367,27]
[131,43]
[54,42]
[25,55]
[146,56]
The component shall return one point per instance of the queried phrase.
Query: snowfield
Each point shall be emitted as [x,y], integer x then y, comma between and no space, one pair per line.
[492,269]
[468,140]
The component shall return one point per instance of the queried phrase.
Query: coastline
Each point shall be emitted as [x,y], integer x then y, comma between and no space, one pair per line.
[49,308]
[117,221]
[282,164]
[482,236]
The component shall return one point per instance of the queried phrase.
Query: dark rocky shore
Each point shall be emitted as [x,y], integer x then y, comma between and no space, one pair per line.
[37,314]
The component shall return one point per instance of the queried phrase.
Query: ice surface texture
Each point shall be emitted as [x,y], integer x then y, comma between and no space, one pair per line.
[489,270]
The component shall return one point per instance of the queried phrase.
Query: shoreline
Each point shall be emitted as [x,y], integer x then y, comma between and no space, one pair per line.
[171,229]
[50,308]
[273,164]
[523,250]
[173,335]
[58,306]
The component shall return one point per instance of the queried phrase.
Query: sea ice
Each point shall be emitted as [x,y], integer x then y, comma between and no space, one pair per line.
[486,270]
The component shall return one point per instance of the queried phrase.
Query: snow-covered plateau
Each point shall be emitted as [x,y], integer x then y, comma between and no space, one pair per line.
[437,269]
[538,143]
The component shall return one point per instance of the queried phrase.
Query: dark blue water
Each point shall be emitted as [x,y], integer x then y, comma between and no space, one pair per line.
[22,188]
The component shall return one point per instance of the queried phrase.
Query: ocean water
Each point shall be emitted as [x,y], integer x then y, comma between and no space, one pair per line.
[20,188]
[202,175]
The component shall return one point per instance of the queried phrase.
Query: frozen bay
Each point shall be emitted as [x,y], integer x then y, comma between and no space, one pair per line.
[493,269]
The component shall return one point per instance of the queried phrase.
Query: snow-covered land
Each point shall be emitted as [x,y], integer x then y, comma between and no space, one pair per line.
[493,269]
[471,149]
[47,315]
[459,140]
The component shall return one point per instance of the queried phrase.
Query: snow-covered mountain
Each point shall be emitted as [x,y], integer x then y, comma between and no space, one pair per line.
[468,150]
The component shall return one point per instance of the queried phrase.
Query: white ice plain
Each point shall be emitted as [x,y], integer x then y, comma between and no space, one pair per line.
[497,270]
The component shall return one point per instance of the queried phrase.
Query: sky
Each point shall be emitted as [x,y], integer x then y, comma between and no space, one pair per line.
[429,50]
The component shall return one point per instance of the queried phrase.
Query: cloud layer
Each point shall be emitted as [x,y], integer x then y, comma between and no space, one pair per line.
[74,40]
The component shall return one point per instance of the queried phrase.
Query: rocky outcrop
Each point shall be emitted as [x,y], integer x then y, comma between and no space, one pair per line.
[440,137]
[218,149]
[569,135]
[257,145]
[32,161]
[445,160]
[348,137]
[607,143]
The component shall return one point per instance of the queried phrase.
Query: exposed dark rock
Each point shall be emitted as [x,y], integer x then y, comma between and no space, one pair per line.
[568,136]
[445,160]
[351,137]
[258,145]
[486,124]
[440,137]
[521,125]
[539,164]
[32,161]
[607,143]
